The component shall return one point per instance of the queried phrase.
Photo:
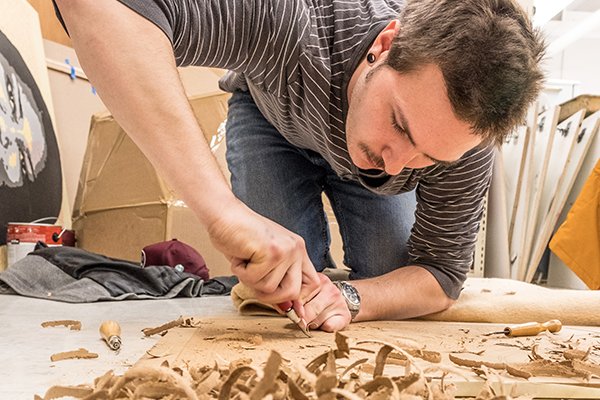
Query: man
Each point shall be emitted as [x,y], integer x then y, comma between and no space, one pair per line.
[389,108]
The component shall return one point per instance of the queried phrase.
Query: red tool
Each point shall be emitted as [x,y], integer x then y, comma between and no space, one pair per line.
[288,308]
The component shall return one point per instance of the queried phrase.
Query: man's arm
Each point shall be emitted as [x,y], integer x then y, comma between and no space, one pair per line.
[407,292]
[131,64]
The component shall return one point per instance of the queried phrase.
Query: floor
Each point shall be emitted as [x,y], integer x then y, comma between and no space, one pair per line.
[26,347]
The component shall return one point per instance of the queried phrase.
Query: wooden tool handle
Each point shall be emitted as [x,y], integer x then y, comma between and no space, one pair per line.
[533,328]
[111,333]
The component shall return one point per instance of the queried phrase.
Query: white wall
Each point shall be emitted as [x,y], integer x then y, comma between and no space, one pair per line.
[579,62]
[74,104]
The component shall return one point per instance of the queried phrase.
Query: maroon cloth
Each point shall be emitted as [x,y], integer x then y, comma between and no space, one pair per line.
[174,253]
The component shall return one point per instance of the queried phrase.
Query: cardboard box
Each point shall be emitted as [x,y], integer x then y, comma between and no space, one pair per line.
[122,204]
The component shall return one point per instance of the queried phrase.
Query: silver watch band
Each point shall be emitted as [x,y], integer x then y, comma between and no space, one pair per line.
[351,296]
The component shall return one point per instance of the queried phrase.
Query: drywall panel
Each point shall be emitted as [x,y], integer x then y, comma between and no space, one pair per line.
[75,103]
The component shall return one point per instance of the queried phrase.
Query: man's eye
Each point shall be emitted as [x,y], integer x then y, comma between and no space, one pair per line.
[397,127]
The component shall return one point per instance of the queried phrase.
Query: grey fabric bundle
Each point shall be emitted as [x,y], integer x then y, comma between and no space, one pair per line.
[77,276]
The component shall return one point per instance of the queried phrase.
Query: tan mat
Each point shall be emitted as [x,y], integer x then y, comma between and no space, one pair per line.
[491,300]
[510,301]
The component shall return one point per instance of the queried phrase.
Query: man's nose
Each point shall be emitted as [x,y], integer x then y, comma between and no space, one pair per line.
[397,159]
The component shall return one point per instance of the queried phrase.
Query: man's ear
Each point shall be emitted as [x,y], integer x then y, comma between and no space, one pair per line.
[383,41]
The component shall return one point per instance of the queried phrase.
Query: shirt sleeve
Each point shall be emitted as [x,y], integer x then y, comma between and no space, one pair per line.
[261,39]
[449,209]
[157,12]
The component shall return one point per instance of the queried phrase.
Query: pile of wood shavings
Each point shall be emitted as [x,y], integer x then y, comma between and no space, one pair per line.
[321,379]
[574,365]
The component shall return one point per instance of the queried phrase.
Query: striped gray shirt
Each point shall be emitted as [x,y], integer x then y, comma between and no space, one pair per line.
[296,58]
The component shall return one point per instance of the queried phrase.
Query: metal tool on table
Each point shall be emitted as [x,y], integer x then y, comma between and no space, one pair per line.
[530,328]
[110,331]
[288,308]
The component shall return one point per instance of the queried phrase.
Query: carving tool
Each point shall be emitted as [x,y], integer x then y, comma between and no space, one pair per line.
[530,328]
[288,308]
[111,333]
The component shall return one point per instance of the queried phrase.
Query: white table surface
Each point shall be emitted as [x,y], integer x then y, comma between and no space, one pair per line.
[26,347]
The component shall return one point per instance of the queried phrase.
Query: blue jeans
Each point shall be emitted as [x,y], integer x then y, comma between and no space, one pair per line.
[285,183]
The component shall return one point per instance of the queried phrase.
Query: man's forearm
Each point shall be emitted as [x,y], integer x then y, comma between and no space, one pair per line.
[404,293]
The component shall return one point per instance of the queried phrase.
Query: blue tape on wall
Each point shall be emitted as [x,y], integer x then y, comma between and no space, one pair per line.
[30,169]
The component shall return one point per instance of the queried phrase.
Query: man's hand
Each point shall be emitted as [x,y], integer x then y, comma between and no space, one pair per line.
[327,310]
[265,256]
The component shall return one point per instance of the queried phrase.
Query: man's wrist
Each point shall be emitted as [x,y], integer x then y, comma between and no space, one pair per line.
[351,296]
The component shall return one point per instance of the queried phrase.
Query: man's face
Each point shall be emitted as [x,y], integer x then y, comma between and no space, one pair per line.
[398,121]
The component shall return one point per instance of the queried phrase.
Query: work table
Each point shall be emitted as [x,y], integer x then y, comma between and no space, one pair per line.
[217,332]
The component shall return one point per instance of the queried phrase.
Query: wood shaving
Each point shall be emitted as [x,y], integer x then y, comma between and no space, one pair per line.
[534,353]
[329,376]
[380,360]
[190,322]
[577,354]
[69,323]
[394,347]
[465,362]
[353,366]
[343,348]
[160,350]
[465,351]
[518,346]
[586,368]
[574,366]
[67,355]
[267,384]
[427,355]
[255,339]
[543,368]
[163,328]
[57,392]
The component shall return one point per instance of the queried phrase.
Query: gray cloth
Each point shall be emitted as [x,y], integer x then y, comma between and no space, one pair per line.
[35,276]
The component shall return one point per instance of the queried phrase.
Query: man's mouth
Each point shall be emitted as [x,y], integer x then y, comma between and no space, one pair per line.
[373,161]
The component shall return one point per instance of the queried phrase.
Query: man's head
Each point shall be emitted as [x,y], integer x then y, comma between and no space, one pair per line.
[452,74]
[487,51]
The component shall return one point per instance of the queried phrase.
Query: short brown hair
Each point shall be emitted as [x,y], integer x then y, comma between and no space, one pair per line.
[488,52]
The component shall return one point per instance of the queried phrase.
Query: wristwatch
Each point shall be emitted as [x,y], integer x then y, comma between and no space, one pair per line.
[351,296]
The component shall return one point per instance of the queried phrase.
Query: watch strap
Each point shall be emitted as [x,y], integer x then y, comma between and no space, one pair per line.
[348,290]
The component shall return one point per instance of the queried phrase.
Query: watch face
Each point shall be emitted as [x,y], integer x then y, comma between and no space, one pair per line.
[351,294]
[353,297]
